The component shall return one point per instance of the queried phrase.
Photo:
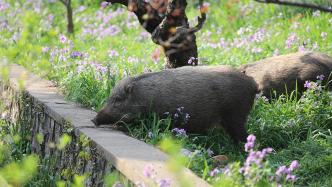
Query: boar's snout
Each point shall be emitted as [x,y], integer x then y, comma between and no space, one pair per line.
[94,121]
[101,118]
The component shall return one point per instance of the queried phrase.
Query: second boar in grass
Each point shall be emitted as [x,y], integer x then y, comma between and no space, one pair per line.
[280,75]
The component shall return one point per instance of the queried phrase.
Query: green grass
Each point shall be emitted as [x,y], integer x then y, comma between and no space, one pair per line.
[236,32]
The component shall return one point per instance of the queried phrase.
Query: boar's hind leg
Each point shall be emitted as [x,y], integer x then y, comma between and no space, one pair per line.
[234,125]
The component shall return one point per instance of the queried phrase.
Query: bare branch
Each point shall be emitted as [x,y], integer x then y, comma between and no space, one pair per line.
[147,15]
[297,4]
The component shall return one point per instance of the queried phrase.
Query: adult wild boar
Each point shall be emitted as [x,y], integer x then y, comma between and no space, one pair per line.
[218,96]
[282,73]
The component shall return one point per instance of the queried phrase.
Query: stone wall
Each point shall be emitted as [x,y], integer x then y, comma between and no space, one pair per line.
[44,132]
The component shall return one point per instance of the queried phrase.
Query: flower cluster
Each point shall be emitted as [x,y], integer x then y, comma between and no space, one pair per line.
[314,85]
[226,171]
[181,116]
[76,54]
[291,40]
[287,171]
[3,6]
[193,61]
[100,26]
[256,168]
[255,158]
[179,132]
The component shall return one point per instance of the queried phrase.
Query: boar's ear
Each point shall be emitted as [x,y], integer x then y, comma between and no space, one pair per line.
[129,88]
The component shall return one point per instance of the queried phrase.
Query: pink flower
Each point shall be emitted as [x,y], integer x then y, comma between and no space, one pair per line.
[251,138]
[307,84]
[164,183]
[290,40]
[301,48]
[320,77]
[63,38]
[214,172]
[45,49]
[104,4]
[113,53]
[148,171]
[294,165]
[249,146]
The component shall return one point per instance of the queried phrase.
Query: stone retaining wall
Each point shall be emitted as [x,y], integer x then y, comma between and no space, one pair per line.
[44,114]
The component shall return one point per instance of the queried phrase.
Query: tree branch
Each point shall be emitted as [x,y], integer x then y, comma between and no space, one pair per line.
[148,16]
[297,4]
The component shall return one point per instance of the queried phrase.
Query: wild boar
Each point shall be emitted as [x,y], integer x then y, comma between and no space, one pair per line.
[218,96]
[281,74]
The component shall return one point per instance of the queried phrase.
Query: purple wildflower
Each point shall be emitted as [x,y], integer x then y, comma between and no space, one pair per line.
[249,146]
[282,170]
[251,138]
[164,183]
[301,48]
[192,61]
[113,53]
[63,38]
[256,50]
[258,36]
[50,17]
[179,132]
[214,172]
[320,77]
[132,59]
[148,171]
[307,84]
[79,69]
[294,165]
[186,153]
[45,49]
[76,54]
[290,40]
[104,4]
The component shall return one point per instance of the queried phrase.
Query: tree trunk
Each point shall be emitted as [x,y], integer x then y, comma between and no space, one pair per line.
[70,23]
[169,28]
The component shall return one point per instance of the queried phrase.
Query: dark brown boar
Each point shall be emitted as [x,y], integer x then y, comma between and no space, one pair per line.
[218,96]
[281,74]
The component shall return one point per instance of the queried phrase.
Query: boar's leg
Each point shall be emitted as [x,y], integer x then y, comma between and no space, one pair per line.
[234,125]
